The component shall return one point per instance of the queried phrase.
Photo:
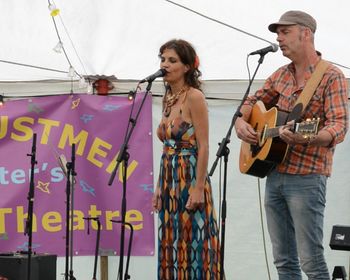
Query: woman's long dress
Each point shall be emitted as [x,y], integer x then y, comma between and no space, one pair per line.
[188,242]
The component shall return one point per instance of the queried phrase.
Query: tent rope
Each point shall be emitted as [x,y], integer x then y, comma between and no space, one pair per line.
[235,28]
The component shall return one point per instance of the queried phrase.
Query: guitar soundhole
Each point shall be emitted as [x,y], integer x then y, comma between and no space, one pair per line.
[255,149]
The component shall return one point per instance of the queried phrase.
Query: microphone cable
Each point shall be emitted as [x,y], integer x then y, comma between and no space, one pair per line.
[263,228]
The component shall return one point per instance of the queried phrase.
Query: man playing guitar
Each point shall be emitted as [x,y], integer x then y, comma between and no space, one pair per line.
[296,187]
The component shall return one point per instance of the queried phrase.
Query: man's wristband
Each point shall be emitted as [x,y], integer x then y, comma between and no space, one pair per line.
[310,139]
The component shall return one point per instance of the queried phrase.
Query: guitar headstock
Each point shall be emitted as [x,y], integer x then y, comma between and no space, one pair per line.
[308,127]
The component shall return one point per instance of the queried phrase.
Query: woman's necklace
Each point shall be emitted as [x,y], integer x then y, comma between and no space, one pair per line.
[170,100]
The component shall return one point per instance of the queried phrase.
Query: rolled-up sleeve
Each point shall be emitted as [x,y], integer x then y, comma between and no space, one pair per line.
[337,108]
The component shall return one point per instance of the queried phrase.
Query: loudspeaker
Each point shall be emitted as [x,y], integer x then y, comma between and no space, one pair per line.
[339,273]
[340,239]
[14,266]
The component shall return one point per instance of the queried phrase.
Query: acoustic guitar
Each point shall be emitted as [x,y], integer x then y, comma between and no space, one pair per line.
[258,160]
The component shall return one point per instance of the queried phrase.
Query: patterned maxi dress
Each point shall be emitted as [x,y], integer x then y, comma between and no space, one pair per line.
[188,242]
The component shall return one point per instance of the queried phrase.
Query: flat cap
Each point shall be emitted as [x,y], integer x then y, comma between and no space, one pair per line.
[295,17]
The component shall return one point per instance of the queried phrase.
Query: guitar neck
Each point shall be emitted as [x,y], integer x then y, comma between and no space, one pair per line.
[272,132]
[306,128]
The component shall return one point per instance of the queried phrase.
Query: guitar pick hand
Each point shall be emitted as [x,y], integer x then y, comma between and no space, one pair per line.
[245,132]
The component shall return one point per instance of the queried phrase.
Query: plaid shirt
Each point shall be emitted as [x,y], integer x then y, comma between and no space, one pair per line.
[329,103]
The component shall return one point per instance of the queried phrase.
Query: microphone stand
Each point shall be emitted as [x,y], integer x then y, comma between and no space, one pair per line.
[126,275]
[124,157]
[69,218]
[97,242]
[29,222]
[223,151]
[72,182]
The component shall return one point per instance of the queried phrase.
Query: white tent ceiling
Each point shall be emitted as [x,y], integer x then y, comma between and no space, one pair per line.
[122,37]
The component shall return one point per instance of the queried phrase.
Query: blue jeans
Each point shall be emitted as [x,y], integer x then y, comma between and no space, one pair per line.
[294,207]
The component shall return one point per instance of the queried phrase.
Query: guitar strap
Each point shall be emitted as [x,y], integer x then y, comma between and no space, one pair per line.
[308,91]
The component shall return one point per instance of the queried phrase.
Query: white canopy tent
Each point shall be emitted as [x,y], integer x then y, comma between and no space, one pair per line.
[121,38]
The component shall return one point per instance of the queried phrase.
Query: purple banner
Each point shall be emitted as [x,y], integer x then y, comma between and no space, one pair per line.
[97,126]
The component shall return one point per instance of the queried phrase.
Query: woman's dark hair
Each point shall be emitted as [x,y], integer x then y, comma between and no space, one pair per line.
[188,57]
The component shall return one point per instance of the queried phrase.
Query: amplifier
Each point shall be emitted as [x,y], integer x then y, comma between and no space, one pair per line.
[14,266]
[340,239]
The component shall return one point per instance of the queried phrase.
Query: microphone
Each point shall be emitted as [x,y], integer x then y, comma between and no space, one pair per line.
[271,48]
[62,162]
[151,78]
